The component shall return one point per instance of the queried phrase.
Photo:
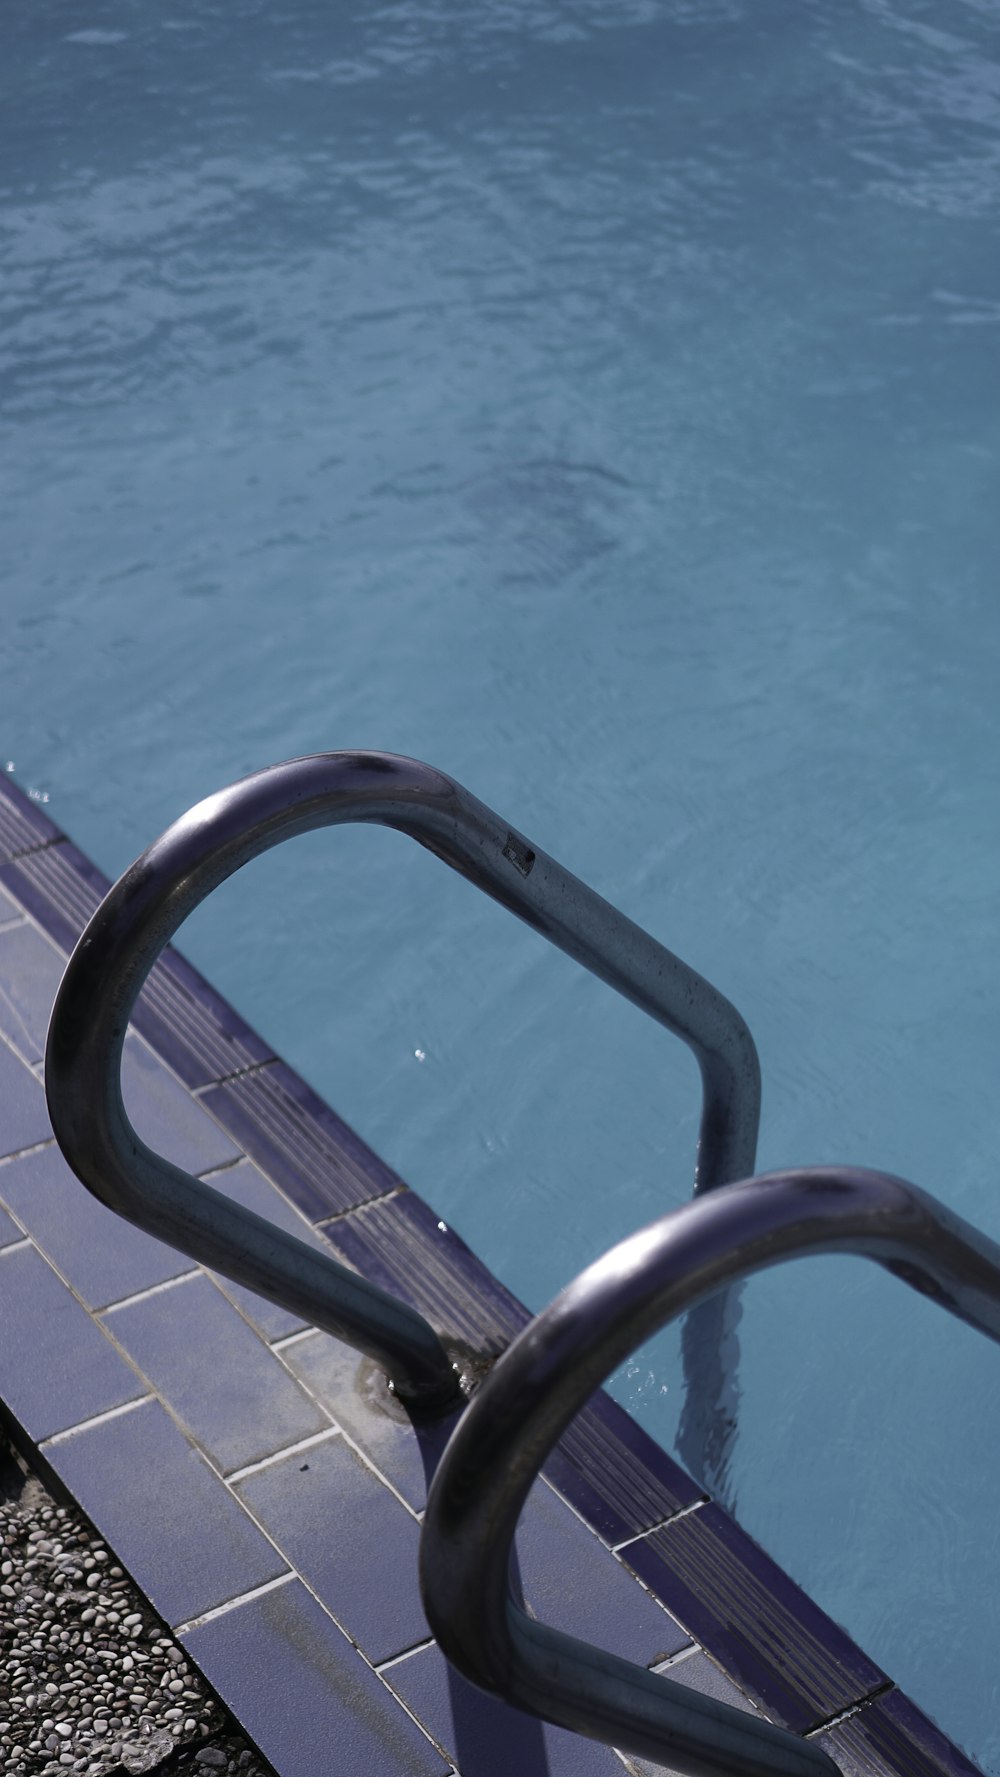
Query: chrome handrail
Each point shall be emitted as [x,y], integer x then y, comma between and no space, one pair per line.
[145,907]
[553,1367]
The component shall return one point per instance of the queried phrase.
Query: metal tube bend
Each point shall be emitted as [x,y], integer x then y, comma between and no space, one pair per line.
[214,839]
[564,1354]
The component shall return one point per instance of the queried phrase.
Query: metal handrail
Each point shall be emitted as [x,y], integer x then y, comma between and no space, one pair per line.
[553,1367]
[145,907]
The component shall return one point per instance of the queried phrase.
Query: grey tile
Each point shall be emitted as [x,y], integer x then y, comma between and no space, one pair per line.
[353,1390]
[698,1673]
[9,1230]
[56,1366]
[176,1527]
[167,1117]
[232,1393]
[103,1256]
[30,971]
[9,908]
[304,1694]
[349,1538]
[23,1117]
[244,1184]
[573,1582]
[487,1738]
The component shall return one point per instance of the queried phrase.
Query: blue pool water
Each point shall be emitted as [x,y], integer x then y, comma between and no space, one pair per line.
[603,403]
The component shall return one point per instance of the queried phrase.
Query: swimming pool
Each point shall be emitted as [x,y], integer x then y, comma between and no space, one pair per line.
[603,405]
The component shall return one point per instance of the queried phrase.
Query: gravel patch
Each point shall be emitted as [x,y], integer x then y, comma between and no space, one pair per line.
[90,1680]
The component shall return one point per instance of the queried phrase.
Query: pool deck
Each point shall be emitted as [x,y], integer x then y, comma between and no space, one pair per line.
[253,1476]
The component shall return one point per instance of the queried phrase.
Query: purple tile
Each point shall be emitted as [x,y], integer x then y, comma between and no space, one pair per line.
[193,1027]
[890,1736]
[573,1582]
[167,1117]
[23,1117]
[56,1366]
[186,1541]
[184,1019]
[619,1480]
[353,1390]
[301,1144]
[779,1646]
[9,909]
[245,1185]
[233,1394]
[349,1538]
[60,889]
[304,1694]
[103,1256]
[402,1245]
[486,1738]
[22,823]
[30,971]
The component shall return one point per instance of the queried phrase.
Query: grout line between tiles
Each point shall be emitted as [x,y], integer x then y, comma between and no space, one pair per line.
[834,1721]
[222,1610]
[71,1431]
[674,1517]
[16,1246]
[341,1215]
[238,1073]
[253,1468]
[407,1654]
[34,1147]
[155,1289]
[282,1345]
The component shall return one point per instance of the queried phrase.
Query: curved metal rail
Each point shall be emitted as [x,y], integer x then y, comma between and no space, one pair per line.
[214,839]
[556,1363]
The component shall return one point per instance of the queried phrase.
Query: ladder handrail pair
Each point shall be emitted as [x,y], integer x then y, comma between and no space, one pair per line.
[505,1432]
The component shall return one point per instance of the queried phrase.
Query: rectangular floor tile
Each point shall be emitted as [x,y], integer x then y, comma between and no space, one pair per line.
[349,1538]
[186,1541]
[30,971]
[232,1393]
[762,1628]
[244,1184]
[353,1389]
[486,1738]
[573,1582]
[103,1256]
[56,1366]
[168,1119]
[304,1694]
[23,1117]
[9,908]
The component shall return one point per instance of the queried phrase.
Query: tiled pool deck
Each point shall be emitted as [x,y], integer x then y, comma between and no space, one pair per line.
[259,1485]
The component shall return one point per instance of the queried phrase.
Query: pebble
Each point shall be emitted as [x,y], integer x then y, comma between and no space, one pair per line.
[91,1681]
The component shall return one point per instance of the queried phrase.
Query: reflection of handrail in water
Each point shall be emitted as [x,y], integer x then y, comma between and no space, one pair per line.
[146,906]
[556,1363]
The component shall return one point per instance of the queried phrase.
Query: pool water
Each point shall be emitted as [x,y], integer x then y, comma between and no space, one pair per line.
[602,403]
